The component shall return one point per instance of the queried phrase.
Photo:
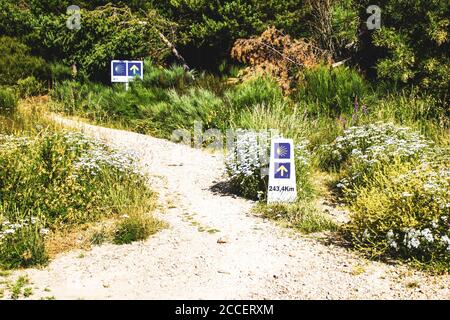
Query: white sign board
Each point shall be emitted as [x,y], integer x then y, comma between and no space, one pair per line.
[125,71]
[282,181]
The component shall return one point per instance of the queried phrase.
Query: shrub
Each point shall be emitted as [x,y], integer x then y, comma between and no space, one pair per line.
[66,176]
[8,101]
[332,90]
[61,179]
[404,211]
[30,86]
[107,31]
[17,63]
[173,77]
[415,109]
[261,90]
[413,45]
[181,111]
[287,120]
[60,72]
[278,55]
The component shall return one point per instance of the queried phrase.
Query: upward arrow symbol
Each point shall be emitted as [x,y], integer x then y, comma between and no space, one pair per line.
[282,169]
[135,69]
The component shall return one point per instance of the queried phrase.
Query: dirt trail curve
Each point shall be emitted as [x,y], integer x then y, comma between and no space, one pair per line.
[259,260]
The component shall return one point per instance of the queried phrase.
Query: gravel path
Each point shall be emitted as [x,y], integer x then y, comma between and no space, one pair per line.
[259,260]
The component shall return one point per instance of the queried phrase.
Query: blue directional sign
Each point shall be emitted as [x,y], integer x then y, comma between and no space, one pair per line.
[282,170]
[126,71]
[282,186]
[135,68]
[282,150]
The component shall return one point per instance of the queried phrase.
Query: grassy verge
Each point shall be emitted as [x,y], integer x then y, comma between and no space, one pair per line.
[56,181]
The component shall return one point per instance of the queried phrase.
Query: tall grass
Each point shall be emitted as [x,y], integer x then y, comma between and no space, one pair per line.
[332,91]
[261,90]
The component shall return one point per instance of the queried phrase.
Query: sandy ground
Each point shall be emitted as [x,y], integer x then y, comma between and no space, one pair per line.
[259,260]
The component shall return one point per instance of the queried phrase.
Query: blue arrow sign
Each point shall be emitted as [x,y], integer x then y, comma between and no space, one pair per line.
[135,69]
[282,170]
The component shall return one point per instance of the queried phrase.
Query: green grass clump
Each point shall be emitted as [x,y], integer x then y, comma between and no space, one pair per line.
[135,228]
[21,239]
[174,77]
[16,288]
[301,216]
[30,86]
[363,150]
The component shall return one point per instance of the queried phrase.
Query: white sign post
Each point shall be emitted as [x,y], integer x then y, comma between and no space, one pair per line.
[282,181]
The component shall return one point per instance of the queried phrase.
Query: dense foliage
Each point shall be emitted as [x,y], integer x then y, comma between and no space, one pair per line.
[412,46]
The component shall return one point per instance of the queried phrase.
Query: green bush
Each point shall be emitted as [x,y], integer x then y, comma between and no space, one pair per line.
[404,211]
[8,101]
[60,72]
[396,184]
[173,77]
[66,176]
[17,63]
[181,111]
[30,86]
[61,179]
[422,112]
[332,91]
[108,32]
[412,47]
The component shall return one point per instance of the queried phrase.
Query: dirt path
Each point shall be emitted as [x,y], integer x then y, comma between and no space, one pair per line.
[259,260]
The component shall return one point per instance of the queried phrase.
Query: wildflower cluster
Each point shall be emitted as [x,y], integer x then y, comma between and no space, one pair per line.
[404,210]
[247,163]
[93,155]
[368,148]
[9,229]
[21,241]
[375,142]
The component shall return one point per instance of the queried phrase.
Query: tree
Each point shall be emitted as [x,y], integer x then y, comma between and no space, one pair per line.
[415,44]
[208,28]
[17,63]
[106,33]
